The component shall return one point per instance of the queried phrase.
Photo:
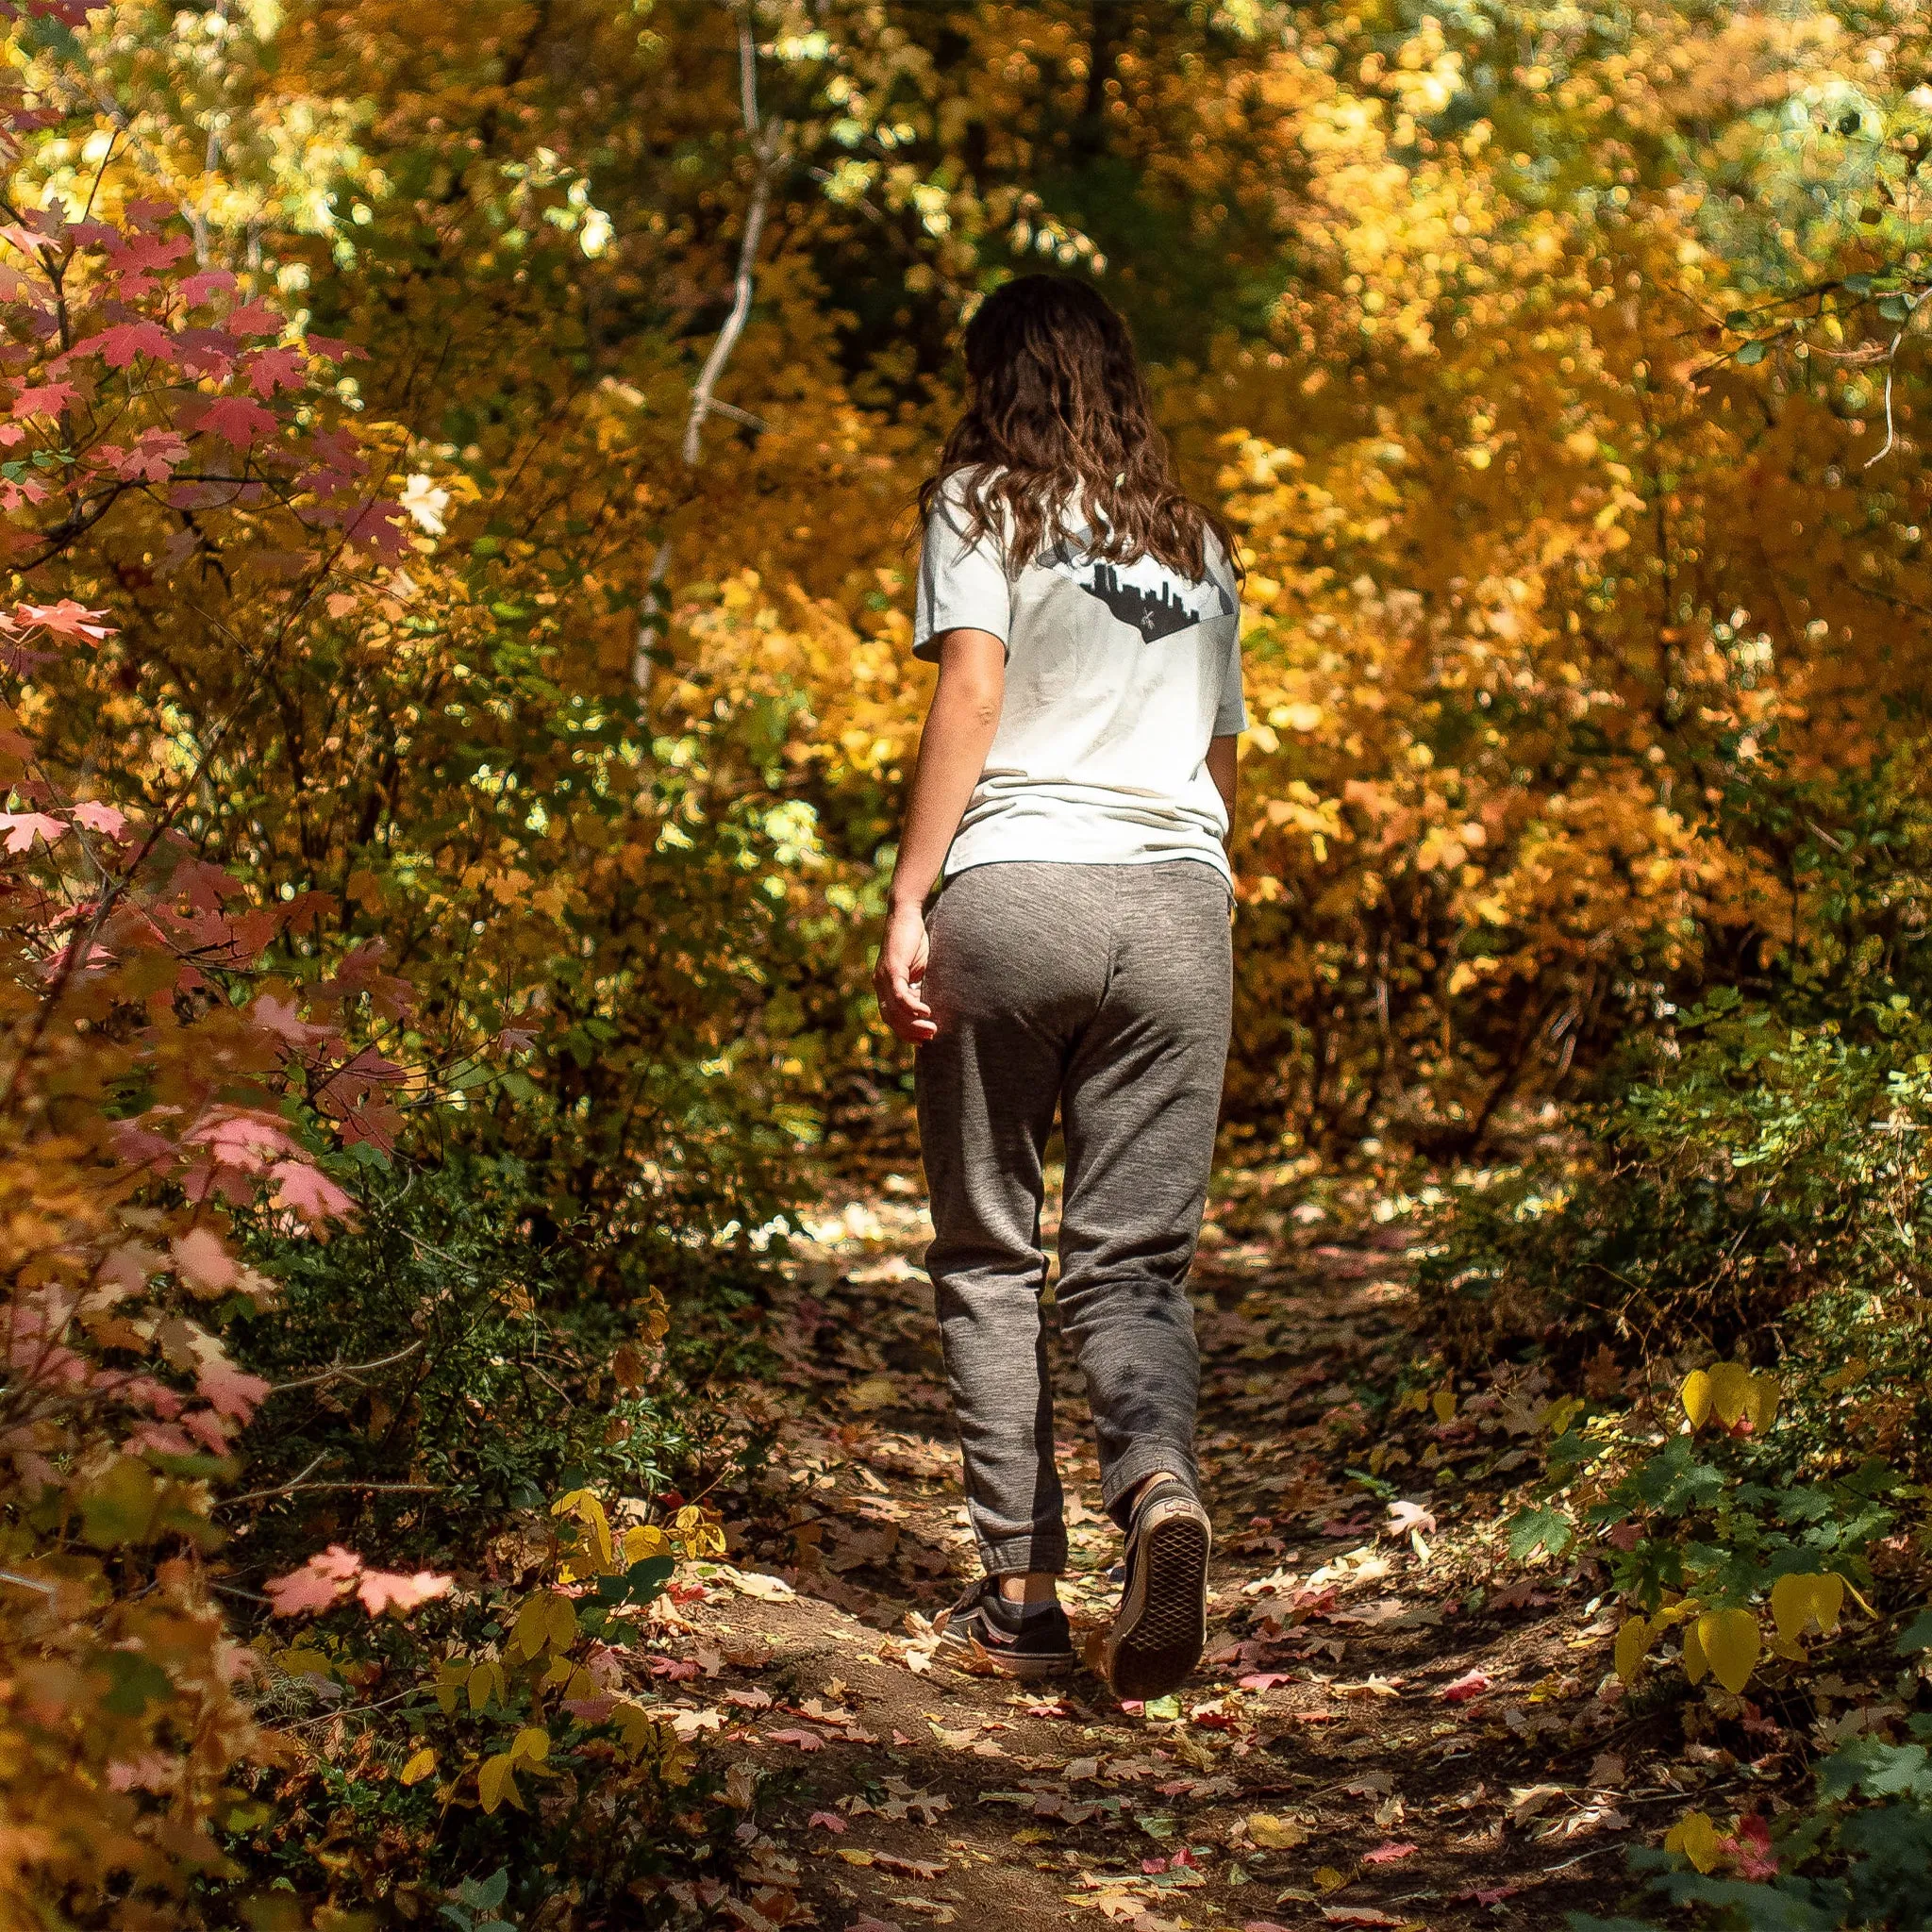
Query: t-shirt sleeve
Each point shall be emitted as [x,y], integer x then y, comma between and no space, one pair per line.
[962,586]
[1231,715]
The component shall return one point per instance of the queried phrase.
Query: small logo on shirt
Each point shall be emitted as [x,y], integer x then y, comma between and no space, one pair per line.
[1154,613]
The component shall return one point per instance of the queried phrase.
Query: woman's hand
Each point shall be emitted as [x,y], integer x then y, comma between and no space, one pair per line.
[901,975]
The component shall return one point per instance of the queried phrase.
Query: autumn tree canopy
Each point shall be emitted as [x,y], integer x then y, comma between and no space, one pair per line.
[457,465]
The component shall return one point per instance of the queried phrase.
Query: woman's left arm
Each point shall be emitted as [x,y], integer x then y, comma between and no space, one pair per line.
[952,753]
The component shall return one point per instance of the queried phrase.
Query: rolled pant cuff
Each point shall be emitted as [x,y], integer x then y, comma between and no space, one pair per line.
[1137,1465]
[1045,1554]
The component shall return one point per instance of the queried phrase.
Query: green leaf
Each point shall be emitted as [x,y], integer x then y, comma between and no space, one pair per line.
[486,1894]
[1916,1635]
[1750,352]
[1531,1530]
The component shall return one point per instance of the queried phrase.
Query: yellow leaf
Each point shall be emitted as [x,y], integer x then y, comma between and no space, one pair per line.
[1797,1601]
[1633,1640]
[1275,1833]
[1328,1879]
[646,1540]
[875,1392]
[1761,1404]
[560,1621]
[1695,1665]
[418,1768]
[1695,1396]
[1730,1388]
[1697,1838]
[304,1663]
[1731,1642]
[481,1682]
[1443,1403]
[590,1512]
[532,1742]
[495,1785]
[528,1633]
[855,1857]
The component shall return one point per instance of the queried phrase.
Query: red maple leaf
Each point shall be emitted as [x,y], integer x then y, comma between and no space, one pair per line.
[238,420]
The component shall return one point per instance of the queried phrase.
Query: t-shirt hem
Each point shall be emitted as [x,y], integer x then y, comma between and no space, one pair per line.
[1215,860]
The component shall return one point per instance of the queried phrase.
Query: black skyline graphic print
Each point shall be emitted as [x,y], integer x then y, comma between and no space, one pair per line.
[1155,614]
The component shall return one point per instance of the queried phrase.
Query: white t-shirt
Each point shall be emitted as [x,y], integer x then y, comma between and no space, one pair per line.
[1116,677]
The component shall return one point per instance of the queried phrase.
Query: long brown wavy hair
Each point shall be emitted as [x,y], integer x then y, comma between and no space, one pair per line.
[1060,433]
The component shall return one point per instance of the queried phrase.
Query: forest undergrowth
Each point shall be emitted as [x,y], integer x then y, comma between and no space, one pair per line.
[1411,1712]
[456,699]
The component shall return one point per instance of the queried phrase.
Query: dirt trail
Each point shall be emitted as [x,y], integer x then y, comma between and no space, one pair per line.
[1313,1772]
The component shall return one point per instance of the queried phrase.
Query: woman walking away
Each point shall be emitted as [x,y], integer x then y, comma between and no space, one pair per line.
[1075,783]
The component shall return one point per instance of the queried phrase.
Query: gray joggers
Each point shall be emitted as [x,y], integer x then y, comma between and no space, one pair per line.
[1105,990]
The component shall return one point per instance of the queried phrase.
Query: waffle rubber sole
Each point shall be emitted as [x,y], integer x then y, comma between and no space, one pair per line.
[1161,1626]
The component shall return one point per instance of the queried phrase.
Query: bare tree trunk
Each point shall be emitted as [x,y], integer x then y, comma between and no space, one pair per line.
[769,156]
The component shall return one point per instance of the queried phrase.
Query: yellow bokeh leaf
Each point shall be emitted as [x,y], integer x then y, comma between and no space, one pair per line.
[1695,1396]
[419,1767]
[1443,1403]
[495,1784]
[1696,1666]
[1799,1601]
[1731,1644]
[1633,1640]
[1730,1388]
[1697,1839]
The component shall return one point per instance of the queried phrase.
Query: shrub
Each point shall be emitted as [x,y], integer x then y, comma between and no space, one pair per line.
[458,1352]
[1764,1192]
[489,1755]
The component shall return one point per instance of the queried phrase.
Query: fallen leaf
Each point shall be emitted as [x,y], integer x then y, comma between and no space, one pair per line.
[825,1821]
[1390,1853]
[1276,1834]
[875,1392]
[1471,1684]
[805,1741]
[1525,1801]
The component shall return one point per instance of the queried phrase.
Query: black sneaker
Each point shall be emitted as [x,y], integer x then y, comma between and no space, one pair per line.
[1161,1626]
[985,1634]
